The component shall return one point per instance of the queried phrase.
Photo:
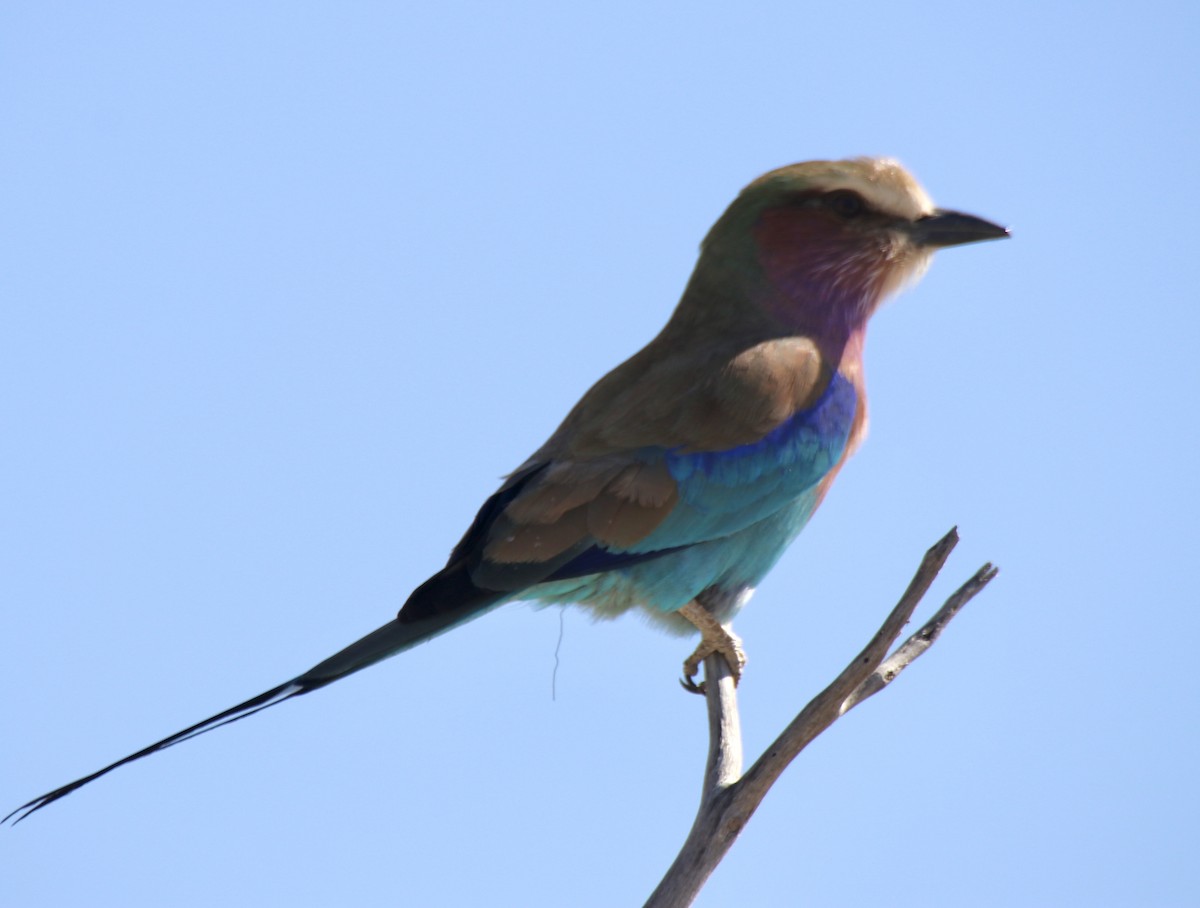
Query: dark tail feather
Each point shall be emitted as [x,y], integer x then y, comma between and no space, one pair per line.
[394,637]
[241,711]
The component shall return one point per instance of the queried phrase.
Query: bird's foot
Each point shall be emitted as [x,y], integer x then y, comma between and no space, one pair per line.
[714,638]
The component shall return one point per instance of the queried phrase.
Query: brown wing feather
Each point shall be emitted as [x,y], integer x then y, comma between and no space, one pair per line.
[731,397]
[612,502]
[593,493]
[632,506]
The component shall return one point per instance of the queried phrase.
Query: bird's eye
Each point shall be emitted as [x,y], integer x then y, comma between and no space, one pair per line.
[845,203]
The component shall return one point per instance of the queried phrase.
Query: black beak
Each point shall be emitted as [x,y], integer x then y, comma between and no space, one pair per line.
[953,228]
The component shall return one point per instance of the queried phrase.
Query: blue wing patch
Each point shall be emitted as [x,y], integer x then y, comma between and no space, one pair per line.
[724,492]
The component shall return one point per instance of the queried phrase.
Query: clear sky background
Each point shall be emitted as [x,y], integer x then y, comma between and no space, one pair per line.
[287,287]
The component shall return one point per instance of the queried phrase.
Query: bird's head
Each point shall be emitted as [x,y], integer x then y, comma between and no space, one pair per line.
[829,240]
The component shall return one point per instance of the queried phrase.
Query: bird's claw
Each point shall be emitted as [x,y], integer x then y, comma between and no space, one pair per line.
[714,638]
[690,685]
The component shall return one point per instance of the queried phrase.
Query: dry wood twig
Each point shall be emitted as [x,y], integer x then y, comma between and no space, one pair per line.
[729,798]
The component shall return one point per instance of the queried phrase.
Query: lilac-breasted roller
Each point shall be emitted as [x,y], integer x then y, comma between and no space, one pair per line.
[680,477]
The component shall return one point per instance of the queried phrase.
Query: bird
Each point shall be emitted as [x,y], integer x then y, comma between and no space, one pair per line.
[678,480]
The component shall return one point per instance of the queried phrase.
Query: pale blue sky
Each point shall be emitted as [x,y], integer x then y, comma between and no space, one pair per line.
[287,287]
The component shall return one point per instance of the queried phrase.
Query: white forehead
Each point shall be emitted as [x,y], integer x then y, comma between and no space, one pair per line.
[883,182]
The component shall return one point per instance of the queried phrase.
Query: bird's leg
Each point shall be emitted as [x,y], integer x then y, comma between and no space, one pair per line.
[715,637]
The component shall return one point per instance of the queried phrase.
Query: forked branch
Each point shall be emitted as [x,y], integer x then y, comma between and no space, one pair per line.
[729,798]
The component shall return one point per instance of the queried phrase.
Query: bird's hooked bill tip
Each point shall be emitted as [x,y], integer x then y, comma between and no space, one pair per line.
[953,228]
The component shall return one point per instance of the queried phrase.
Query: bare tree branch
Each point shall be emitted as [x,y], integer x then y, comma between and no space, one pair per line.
[920,641]
[729,799]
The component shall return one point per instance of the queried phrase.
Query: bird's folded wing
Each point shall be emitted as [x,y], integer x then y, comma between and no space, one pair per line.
[658,464]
